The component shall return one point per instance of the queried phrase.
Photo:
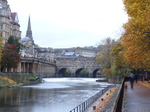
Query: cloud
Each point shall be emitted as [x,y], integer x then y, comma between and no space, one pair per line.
[58,23]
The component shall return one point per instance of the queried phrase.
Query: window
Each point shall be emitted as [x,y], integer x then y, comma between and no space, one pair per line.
[0,26]
[1,6]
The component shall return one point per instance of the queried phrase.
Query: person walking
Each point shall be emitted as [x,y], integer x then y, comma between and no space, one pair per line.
[131,80]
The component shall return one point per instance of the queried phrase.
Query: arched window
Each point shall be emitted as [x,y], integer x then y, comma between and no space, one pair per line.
[1,6]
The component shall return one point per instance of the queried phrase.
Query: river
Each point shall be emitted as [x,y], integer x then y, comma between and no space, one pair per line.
[52,95]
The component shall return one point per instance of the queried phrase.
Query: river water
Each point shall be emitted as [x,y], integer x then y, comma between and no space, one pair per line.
[52,95]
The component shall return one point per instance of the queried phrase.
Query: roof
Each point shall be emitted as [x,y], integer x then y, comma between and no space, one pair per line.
[13,15]
[68,53]
[71,57]
[40,49]
[25,39]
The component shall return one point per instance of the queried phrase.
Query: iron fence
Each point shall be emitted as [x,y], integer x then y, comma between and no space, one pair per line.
[83,106]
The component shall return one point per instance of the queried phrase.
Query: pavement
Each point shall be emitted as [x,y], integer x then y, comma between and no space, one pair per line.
[137,99]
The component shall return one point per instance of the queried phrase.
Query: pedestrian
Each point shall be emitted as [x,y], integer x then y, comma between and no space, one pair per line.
[131,80]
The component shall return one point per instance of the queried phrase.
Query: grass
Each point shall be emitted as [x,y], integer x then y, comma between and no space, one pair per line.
[32,77]
[5,81]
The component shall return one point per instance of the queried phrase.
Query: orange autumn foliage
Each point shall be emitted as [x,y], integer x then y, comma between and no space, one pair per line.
[136,38]
[9,81]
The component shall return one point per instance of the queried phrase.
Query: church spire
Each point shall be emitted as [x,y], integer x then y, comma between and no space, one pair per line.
[29,31]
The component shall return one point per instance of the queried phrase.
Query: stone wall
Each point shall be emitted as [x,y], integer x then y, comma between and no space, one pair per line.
[21,78]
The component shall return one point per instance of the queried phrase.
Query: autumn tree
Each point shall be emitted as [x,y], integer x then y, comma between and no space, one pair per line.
[13,41]
[136,38]
[104,56]
[119,62]
[10,57]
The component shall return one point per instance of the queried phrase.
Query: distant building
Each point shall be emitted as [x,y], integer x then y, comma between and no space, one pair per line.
[45,54]
[29,50]
[85,52]
[79,51]
[27,43]
[62,51]
[9,22]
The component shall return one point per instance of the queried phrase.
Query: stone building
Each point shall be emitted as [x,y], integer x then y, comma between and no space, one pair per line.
[46,54]
[62,51]
[81,51]
[30,63]
[27,43]
[86,52]
[29,50]
[9,22]
[35,60]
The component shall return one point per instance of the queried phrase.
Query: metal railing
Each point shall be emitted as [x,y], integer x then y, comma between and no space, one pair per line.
[83,106]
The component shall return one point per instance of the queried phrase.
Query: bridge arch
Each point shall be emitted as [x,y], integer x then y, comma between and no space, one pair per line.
[95,74]
[64,72]
[81,72]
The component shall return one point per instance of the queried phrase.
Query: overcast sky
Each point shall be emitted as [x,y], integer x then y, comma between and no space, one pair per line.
[70,23]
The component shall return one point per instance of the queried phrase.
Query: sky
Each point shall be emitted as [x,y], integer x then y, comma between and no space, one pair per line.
[70,23]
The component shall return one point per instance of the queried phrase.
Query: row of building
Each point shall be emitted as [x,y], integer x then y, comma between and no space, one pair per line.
[9,23]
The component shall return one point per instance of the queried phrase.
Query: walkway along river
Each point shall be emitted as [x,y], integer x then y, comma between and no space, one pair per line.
[52,95]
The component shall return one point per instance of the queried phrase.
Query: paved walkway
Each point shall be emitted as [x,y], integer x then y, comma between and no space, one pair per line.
[137,99]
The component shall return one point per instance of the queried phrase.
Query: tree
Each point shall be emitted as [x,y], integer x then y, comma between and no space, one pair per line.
[84,73]
[118,58]
[119,62]
[104,56]
[10,57]
[136,38]
[67,73]
[13,41]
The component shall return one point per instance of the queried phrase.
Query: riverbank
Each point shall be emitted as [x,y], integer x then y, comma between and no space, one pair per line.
[105,102]
[5,82]
[8,80]
[107,105]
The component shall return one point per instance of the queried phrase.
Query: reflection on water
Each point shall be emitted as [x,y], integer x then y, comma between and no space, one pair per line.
[53,95]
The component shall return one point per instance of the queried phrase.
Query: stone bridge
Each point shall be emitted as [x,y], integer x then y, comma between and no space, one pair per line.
[75,64]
